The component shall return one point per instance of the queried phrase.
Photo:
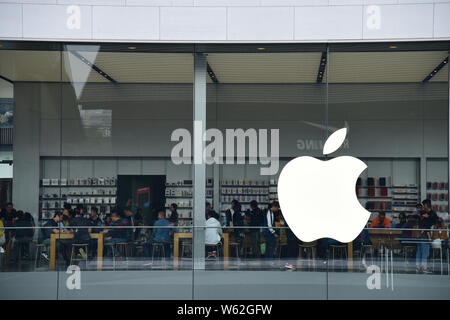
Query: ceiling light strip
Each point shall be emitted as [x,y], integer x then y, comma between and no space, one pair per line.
[435,70]
[211,73]
[322,66]
[6,79]
[93,66]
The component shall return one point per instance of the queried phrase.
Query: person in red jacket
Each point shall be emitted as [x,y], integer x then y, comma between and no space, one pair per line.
[381,221]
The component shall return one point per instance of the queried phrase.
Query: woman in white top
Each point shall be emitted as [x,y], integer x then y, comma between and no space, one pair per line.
[213,230]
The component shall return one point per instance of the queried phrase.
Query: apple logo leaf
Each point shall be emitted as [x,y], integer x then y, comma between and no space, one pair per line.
[335,141]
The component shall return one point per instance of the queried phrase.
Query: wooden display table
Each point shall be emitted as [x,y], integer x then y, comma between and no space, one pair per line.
[383,238]
[56,236]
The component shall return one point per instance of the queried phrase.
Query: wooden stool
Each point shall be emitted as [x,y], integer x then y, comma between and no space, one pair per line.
[433,250]
[40,248]
[406,250]
[235,245]
[73,254]
[138,245]
[340,249]
[216,246]
[116,246]
[159,248]
[369,248]
[186,245]
[310,250]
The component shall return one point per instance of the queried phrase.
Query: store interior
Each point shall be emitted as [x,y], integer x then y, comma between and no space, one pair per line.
[118,121]
[94,126]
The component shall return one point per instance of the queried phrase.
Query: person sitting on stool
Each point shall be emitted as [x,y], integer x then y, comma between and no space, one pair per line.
[160,235]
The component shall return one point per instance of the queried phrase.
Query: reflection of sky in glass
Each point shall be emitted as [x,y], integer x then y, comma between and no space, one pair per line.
[6,113]
[77,70]
[97,122]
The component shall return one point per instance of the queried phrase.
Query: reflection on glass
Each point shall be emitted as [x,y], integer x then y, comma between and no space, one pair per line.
[97,123]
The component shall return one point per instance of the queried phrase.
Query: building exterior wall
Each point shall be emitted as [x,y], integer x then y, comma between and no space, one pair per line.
[225,20]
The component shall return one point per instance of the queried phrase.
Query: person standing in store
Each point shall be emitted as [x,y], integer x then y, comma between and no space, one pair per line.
[427,208]
[269,232]
[116,232]
[209,210]
[128,221]
[257,220]
[402,221]
[22,236]
[423,247]
[95,222]
[132,207]
[8,215]
[173,218]
[80,229]
[237,219]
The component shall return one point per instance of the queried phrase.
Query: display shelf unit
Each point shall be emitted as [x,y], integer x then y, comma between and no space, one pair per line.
[383,195]
[437,192]
[244,191]
[95,191]
[180,193]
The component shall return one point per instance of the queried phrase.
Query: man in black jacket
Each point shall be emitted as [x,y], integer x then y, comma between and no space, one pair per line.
[96,223]
[235,217]
[432,214]
[257,220]
[80,228]
[8,214]
[50,227]
[22,236]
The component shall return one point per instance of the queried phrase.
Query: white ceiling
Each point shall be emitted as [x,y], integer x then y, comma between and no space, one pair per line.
[348,67]
[385,66]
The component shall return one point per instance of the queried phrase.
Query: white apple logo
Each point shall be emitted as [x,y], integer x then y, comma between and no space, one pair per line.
[318,198]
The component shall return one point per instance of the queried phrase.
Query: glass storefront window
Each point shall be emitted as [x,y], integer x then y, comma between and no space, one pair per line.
[105,157]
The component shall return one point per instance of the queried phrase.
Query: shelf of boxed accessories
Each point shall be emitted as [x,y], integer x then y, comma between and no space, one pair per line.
[441,203]
[374,197]
[169,186]
[392,187]
[261,190]
[80,186]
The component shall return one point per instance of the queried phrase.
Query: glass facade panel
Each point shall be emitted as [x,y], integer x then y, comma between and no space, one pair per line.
[397,124]
[123,202]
